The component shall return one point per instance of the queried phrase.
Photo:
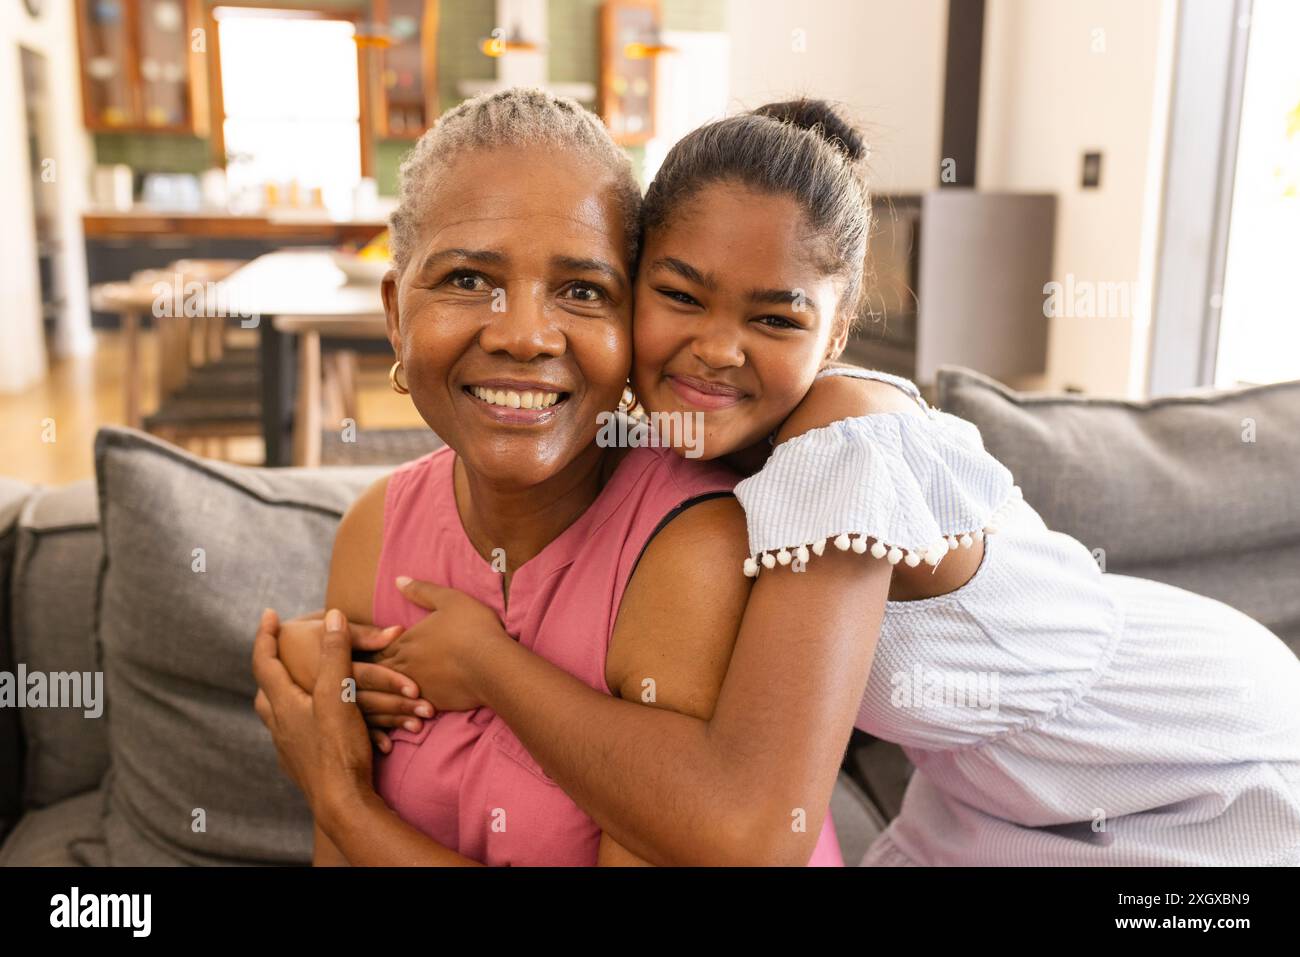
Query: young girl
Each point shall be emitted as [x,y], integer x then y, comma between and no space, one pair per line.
[1055,714]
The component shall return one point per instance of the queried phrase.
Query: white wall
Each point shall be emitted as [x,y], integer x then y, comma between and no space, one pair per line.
[22,355]
[882,59]
[1046,99]
[1061,79]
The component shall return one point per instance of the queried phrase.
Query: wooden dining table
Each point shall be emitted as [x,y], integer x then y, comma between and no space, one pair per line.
[295,298]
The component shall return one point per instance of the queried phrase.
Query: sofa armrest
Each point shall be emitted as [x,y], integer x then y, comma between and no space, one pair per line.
[56,569]
[13,497]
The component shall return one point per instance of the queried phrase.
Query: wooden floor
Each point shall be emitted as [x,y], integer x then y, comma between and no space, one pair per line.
[49,430]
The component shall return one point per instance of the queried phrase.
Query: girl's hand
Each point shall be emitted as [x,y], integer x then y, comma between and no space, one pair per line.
[300,640]
[387,699]
[443,653]
[320,736]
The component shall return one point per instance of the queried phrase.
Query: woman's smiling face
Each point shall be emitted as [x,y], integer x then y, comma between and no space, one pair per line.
[512,315]
[734,314]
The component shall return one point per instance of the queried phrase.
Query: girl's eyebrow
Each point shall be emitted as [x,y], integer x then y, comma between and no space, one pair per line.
[771,297]
[686,271]
[781,297]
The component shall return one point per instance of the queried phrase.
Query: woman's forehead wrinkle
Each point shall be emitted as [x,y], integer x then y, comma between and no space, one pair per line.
[587,223]
[595,211]
[582,219]
[591,203]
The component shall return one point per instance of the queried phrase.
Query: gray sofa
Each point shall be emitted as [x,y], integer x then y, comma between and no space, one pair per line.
[155,573]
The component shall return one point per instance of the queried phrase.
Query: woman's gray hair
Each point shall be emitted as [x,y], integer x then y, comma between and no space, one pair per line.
[802,149]
[515,117]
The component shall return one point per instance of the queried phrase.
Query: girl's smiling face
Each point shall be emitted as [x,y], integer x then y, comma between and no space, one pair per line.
[735,314]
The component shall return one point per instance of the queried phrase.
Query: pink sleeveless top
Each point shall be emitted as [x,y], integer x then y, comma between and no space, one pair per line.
[465,779]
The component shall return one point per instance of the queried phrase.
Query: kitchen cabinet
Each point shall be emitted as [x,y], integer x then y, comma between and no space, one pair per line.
[142,66]
[629,47]
[406,93]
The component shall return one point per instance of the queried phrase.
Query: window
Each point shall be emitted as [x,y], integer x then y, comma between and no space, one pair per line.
[291,99]
[1259,332]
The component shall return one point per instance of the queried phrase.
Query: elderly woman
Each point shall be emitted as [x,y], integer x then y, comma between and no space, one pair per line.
[509,308]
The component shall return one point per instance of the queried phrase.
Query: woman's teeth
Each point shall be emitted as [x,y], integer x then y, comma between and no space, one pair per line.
[516,400]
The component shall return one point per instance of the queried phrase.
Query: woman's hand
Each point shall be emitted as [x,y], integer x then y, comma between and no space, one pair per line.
[444,652]
[320,736]
[387,699]
[321,741]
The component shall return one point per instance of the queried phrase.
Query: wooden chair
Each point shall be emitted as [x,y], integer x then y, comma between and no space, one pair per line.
[207,392]
[327,380]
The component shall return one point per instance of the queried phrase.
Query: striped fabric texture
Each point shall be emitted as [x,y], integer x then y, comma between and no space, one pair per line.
[895,477]
[1056,714]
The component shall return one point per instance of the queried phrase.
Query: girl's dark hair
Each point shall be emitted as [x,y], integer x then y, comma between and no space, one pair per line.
[802,149]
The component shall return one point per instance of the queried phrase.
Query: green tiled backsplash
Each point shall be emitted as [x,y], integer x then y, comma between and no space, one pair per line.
[461,25]
[574,28]
[703,15]
[388,157]
[154,152]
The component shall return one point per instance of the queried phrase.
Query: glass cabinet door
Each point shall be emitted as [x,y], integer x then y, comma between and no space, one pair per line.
[406,66]
[109,89]
[163,64]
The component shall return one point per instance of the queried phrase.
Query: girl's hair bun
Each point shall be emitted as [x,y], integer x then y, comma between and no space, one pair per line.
[818,116]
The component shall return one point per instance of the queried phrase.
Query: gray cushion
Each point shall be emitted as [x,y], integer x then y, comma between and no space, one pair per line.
[175,645]
[1168,488]
[881,770]
[857,821]
[67,834]
[13,495]
[56,569]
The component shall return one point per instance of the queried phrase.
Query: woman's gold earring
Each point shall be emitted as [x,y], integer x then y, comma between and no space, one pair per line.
[629,403]
[392,379]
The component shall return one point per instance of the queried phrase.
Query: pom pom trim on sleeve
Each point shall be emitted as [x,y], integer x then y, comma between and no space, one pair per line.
[910,555]
[896,486]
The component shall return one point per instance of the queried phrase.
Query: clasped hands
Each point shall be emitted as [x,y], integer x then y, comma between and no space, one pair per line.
[404,675]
